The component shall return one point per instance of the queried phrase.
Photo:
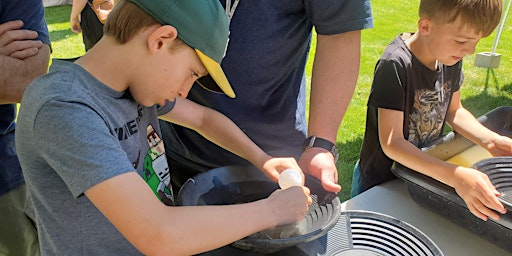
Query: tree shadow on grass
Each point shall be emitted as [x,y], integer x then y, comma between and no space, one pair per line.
[485,102]
[59,35]
[56,15]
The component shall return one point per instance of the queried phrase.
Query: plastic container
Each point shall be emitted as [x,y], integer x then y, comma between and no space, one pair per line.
[366,233]
[242,184]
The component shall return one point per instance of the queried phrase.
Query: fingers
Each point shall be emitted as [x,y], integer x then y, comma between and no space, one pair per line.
[76,29]
[485,204]
[307,192]
[273,167]
[75,26]
[473,209]
[10,25]
[23,49]
[23,54]
[16,42]
[481,211]
[331,186]
[291,204]
[10,36]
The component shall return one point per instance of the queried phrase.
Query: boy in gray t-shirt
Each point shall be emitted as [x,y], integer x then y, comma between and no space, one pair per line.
[90,145]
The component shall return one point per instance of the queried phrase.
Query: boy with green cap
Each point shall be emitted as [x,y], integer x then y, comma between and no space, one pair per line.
[90,145]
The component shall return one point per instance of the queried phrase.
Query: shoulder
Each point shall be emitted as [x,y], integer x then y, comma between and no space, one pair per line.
[396,51]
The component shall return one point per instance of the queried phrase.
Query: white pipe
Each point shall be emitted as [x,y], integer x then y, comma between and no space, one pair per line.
[498,33]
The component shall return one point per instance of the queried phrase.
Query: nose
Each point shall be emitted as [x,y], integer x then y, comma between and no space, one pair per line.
[470,49]
[185,89]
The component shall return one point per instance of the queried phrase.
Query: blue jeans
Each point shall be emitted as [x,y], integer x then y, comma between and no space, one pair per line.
[356,185]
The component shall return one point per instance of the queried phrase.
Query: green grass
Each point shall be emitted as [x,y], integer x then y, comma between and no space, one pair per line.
[65,43]
[483,89]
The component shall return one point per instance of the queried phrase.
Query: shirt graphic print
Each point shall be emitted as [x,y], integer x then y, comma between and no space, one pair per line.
[428,113]
[156,170]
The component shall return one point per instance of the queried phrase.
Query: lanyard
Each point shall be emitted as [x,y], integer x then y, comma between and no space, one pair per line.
[230,11]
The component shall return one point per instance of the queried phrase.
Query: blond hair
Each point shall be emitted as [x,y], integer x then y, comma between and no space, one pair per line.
[481,15]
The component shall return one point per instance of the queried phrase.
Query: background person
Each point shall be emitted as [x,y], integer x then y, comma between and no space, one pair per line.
[24,55]
[265,62]
[87,17]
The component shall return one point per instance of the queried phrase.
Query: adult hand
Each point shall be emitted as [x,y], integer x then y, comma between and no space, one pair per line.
[478,193]
[320,164]
[16,42]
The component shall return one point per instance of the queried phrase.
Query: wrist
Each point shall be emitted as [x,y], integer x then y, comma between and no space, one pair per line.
[317,142]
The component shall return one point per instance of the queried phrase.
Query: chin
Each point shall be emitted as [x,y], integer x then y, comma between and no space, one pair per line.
[450,63]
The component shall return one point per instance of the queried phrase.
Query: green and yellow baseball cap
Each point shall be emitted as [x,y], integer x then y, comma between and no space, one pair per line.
[201,24]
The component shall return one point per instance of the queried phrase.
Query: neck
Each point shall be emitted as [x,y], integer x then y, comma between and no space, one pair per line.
[108,62]
[417,46]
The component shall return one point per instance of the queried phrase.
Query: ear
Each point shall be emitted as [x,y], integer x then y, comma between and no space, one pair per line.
[160,37]
[424,25]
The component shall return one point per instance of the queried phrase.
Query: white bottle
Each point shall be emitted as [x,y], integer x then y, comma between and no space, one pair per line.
[289,178]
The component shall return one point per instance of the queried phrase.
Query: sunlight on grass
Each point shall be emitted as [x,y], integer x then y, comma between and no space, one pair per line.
[65,43]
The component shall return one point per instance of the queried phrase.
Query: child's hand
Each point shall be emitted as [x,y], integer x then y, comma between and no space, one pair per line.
[500,146]
[289,205]
[478,193]
[274,166]
[74,24]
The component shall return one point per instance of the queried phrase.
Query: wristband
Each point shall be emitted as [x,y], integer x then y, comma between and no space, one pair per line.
[316,142]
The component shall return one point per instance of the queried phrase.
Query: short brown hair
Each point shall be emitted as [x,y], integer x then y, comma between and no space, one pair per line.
[481,15]
[126,20]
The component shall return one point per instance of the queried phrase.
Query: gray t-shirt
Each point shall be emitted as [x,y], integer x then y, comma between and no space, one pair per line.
[73,133]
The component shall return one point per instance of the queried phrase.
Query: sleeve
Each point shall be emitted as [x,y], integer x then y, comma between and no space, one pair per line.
[169,105]
[339,16]
[31,12]
[78,144]
[387,87]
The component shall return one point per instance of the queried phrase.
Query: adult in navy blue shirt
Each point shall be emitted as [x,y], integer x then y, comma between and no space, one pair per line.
[24,55]
[265,63]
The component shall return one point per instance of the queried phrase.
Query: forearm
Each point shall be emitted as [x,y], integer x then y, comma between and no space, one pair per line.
[77,7]
[221,226]
[174,230]
[217,128]
[414,158]
[17,74]
[223,132]
[399,149]
[465,123]
[334,77]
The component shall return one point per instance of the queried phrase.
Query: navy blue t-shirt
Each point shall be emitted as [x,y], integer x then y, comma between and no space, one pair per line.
[31,12]
[265,64]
